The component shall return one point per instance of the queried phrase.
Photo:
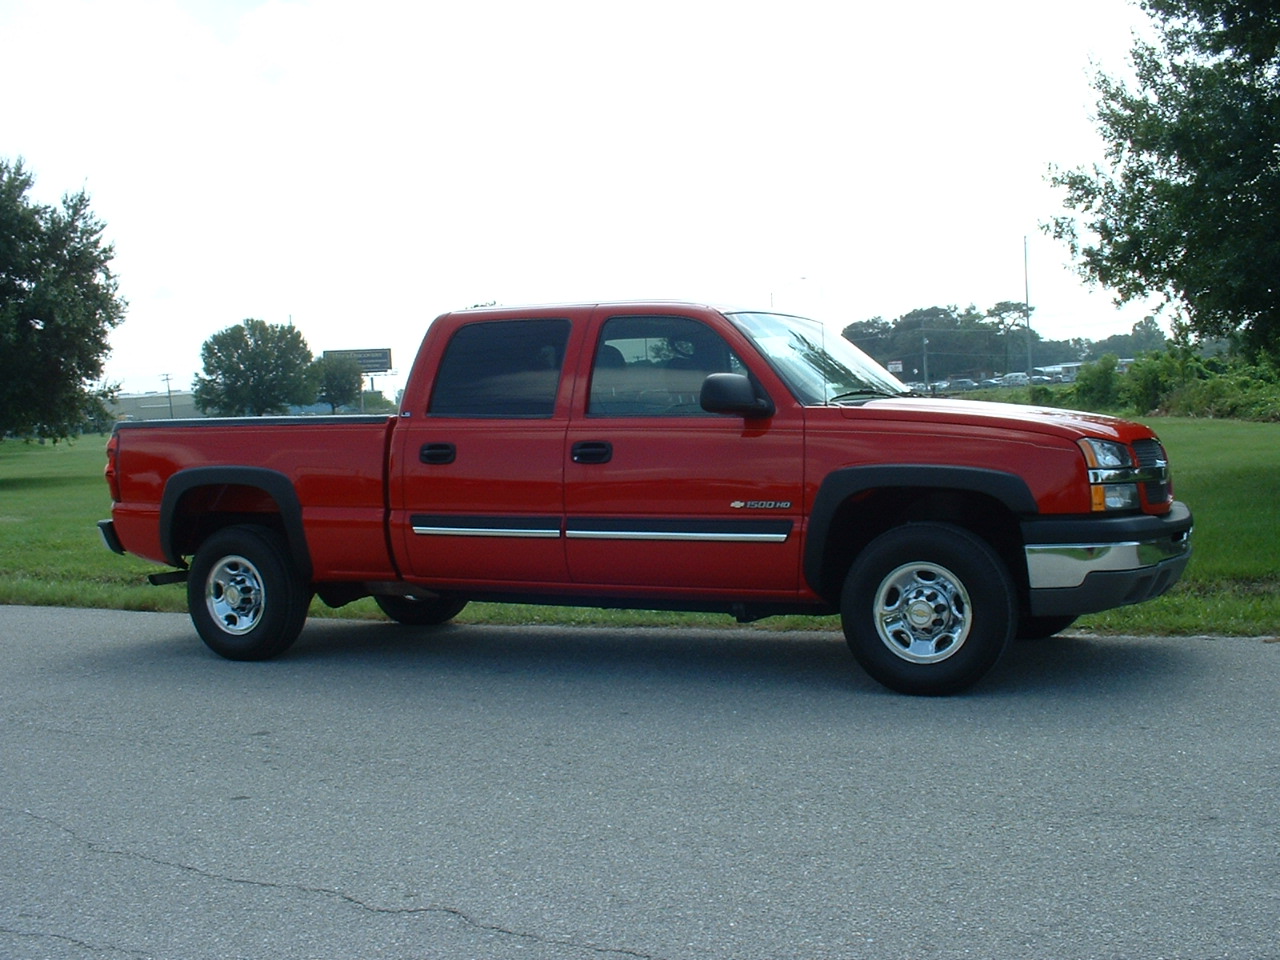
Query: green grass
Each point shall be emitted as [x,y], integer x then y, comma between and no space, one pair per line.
[50,552]
[1227,471]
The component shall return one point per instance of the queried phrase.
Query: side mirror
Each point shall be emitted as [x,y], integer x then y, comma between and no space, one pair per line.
[735,394]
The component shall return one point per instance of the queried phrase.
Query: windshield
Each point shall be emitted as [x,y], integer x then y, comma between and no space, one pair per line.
[817,364]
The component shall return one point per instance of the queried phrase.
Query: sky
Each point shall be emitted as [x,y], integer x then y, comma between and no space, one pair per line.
[357,169]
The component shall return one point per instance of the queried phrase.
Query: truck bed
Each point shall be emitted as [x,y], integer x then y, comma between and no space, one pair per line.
[332,467]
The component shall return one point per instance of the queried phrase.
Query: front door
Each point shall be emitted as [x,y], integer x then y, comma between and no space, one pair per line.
[659,493]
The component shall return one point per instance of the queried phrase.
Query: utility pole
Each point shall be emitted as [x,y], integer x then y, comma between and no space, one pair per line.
[1026,302]
[169,391]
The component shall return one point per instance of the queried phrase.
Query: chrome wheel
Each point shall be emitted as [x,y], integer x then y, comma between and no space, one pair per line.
[245,595]
[922,612]
[235,595]
[928,608]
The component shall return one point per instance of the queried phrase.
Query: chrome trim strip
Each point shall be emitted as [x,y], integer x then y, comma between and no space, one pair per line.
[486,532]
[676,535]
[1061,565]
[1156,474]
[692,530]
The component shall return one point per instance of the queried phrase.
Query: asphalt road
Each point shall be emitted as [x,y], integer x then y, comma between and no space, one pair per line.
[572,794]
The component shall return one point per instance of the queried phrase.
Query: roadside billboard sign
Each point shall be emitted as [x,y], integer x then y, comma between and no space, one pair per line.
[371,361]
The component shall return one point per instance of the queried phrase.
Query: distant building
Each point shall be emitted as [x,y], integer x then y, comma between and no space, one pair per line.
[156,405]
[1067,372]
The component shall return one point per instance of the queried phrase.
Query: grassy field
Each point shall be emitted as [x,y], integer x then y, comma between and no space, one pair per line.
[1227,471]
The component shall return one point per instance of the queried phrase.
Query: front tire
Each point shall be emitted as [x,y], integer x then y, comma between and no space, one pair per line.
[1040,628]
[928,608]
[245,597]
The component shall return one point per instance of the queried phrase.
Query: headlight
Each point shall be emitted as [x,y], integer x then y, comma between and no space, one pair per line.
[1106,455]
[1113,478]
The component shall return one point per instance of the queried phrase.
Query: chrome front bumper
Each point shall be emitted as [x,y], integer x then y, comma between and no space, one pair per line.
[1055,566]
[1086,565]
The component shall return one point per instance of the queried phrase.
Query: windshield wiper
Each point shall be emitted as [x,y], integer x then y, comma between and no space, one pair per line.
[866,393]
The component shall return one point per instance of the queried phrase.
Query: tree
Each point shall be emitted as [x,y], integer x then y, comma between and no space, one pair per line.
[1014,321]
[1188,207]
[1097,384]
[375,402]
[58,302]
[869,335]
[949,342]
[338,381]
[254,368]
[1145,337]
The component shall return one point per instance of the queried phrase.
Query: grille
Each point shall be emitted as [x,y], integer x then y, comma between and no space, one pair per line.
[1151,455]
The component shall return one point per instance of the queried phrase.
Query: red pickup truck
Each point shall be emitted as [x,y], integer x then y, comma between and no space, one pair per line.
[663,456]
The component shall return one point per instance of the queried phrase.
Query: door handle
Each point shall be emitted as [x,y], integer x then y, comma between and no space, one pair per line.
[592,451]
[437,453]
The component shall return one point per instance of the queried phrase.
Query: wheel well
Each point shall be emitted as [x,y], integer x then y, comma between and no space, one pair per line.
[199,501]
[202,511]
[863,517]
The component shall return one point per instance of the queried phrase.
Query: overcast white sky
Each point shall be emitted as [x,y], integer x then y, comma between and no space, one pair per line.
[361,167]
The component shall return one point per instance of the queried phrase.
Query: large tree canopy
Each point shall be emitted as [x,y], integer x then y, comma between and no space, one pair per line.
[254,368]
[58,302]
[945,342]
[1188,206]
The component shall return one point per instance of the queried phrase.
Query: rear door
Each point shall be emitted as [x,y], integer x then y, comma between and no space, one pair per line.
[661,494]
[480,471]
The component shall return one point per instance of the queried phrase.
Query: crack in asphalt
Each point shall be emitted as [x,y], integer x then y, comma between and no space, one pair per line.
[82,944]
[338,895]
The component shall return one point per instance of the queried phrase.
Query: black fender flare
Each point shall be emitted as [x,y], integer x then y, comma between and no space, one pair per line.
[271,482]
[1007,488]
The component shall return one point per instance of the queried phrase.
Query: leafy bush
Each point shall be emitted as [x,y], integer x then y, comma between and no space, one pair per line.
[1097,384]
[1174,382]
[1246,393]
[1179,382]
[1041,396]
[1151,379]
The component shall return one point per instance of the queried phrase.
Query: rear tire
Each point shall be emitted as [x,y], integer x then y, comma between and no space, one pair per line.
[415,612]
[928,608]
[244,595]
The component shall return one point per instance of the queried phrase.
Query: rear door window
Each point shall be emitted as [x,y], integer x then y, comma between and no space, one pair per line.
[501,369]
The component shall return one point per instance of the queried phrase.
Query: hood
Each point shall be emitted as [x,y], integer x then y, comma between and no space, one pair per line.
[1071,424]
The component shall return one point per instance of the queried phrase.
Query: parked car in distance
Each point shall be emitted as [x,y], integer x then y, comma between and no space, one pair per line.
[962,383]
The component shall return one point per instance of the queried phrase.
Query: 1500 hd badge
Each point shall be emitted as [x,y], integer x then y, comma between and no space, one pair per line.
[761,504]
